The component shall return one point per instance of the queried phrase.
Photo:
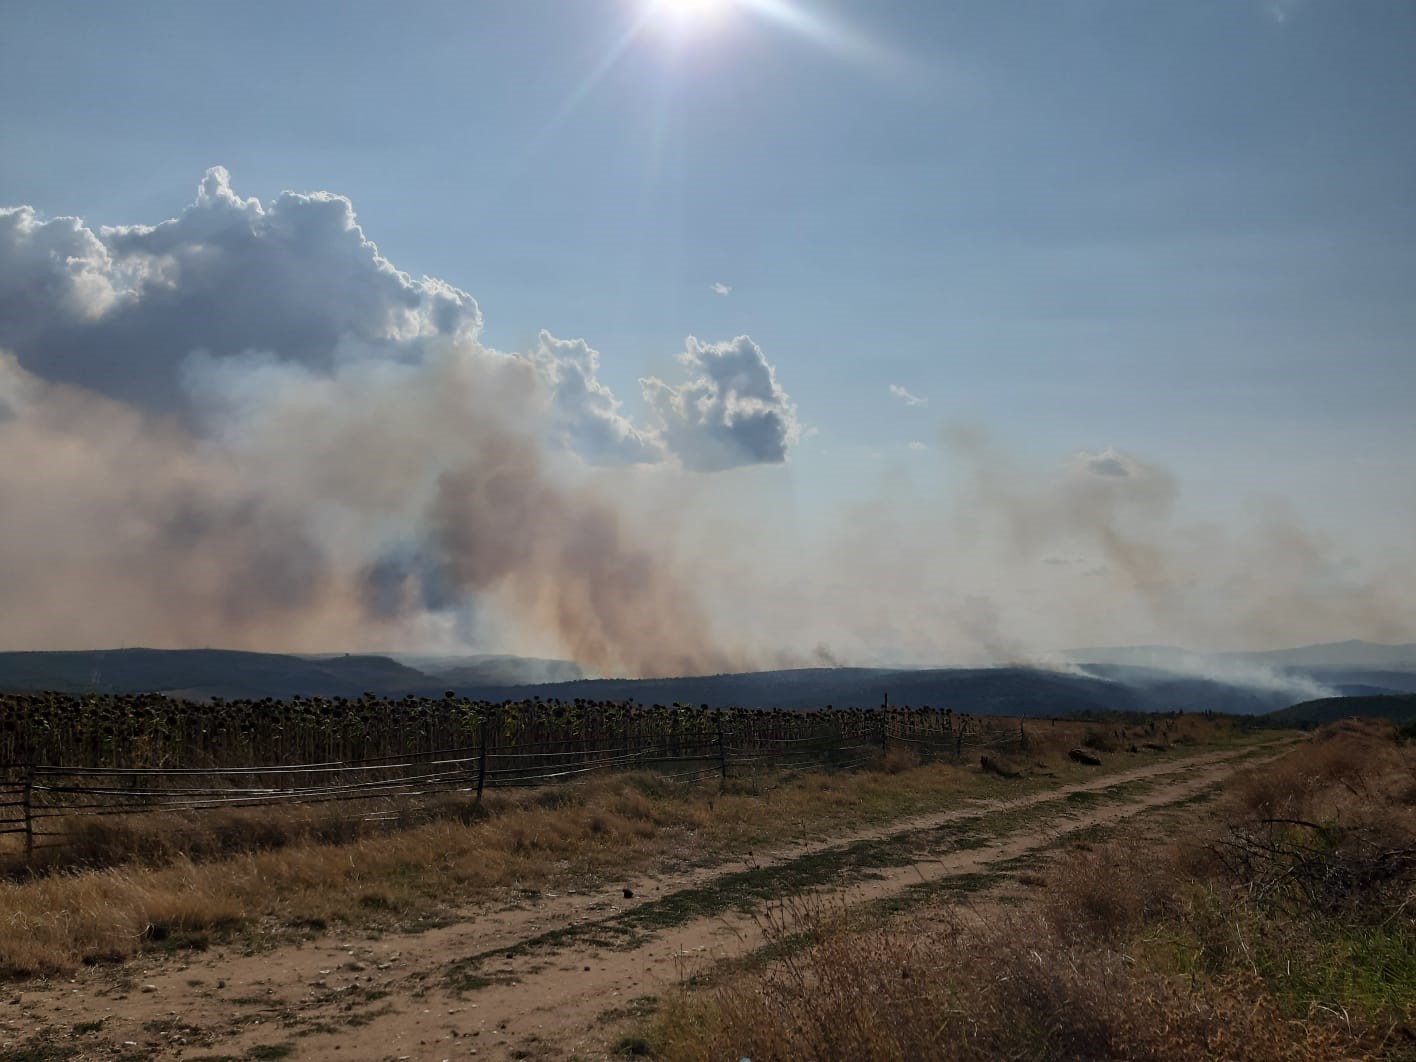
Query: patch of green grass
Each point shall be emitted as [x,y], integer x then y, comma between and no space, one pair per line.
[1365,969]
[270,1051]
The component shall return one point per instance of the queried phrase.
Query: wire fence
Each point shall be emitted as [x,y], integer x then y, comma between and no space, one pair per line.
[41,802]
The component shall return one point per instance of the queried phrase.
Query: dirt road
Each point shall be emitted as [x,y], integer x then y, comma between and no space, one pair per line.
[561,976]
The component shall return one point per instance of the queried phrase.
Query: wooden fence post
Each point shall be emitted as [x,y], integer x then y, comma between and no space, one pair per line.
[722,755]
[27,804]
[482,756]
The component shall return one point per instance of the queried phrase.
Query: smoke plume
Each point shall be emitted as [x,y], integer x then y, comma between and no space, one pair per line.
[244,427]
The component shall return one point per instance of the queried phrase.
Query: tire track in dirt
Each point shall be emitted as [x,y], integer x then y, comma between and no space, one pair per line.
[451,992]
[538,1005]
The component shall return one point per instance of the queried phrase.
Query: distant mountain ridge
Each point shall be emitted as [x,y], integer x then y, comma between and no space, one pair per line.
[204,673]
[1399,708]
[1027,691]
[1353,655]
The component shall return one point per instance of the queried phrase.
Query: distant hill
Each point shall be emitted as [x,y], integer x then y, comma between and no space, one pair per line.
[1162,690]
[1346,656]
[205,673]
[1399,708]
[497,670]
[1154,678]
[1354,681]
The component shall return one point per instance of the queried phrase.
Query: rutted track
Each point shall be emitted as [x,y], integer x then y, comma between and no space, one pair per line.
[536,982]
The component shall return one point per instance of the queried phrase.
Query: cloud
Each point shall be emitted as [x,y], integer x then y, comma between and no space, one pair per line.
[125,311]
[119,310]
[730,412]
[587,414]
[917,445]
[720,288]
[1109,463]
[909,399]
[244,426]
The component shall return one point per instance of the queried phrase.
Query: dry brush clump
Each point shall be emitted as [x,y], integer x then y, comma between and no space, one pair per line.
[1280,926]
[951,986]
[1304,881]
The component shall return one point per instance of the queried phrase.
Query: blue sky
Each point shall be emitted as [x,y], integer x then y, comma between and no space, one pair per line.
[1186,231]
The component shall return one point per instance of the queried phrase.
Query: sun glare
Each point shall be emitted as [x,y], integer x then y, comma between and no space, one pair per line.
[691,14]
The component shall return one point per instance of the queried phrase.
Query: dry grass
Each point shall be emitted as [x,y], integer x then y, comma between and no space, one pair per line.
[947,986]
[177,881]
[1284,927]
[899,758]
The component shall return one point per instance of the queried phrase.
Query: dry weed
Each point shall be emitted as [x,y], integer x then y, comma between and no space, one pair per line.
[171,880]
[945,987]
[1248,938]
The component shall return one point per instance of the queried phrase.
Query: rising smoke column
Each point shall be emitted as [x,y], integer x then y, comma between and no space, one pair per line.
[243,426]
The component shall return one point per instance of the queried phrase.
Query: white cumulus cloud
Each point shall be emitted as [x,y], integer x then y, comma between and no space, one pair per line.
[730,412]
[140,312]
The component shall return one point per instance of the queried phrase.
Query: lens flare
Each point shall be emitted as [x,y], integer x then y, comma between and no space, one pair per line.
[690,15]
[692,8]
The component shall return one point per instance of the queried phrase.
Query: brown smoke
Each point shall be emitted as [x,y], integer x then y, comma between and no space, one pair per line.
[118,529]
[123,528]
[567,560]
[262,532]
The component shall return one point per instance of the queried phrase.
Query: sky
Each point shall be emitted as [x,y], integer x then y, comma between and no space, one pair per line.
[888,327]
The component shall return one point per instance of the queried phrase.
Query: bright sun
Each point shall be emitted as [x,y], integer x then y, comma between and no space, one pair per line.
[692,12]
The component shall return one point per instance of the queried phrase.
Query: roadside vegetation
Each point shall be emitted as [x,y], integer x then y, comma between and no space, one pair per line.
[1280,924]
[257,876]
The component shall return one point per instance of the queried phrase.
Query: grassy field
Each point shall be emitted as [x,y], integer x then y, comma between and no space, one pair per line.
[262,876]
